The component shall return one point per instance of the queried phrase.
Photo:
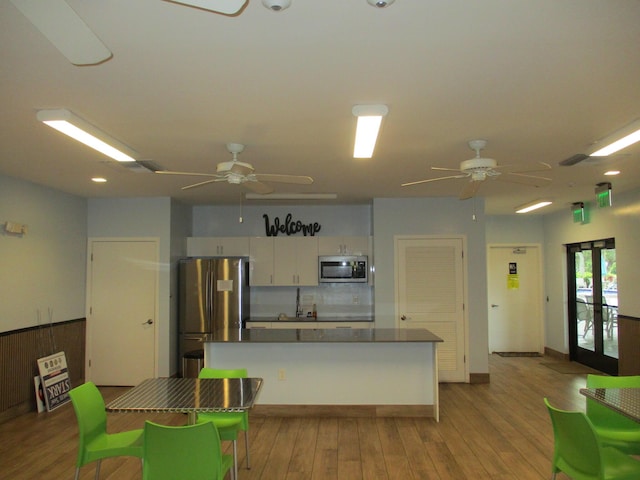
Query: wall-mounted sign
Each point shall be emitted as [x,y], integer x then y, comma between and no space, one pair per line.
[289,227]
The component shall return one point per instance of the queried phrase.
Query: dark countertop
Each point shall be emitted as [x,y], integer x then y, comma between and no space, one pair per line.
[311,319]
[321,335]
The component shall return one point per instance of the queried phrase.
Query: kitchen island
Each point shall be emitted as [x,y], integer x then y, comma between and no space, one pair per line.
[348,372]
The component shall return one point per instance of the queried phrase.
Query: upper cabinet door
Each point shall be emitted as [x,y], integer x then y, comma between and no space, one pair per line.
[344,245]
[296,261]
[218,246]
[261,261]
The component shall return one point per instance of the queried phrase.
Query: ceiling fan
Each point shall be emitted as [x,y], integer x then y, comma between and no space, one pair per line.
[68,32]
[478,169]
[241,173]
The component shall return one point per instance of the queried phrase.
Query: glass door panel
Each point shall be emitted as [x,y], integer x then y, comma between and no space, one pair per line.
[593,304]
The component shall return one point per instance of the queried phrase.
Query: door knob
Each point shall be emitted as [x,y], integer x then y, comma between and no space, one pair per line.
[148,322]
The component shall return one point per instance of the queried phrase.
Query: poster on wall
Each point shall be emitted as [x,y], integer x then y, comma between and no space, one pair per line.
[54,378]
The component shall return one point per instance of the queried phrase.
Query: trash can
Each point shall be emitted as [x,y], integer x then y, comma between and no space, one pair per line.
[192,363]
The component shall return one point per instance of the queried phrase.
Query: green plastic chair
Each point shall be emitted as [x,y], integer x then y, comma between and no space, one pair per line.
[95,442]
[614,429]
[228,423]
[580,454]
[190,452]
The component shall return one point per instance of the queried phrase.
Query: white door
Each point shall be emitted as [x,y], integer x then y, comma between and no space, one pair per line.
[122,311]
[515,299]
[430,294]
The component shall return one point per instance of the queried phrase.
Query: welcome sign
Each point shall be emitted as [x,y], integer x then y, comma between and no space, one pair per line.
[289,226]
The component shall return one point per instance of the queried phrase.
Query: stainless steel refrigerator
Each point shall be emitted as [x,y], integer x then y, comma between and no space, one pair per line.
[213,295]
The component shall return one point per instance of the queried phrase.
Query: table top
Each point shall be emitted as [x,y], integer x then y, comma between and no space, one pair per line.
[625,401]
[188,395]
[324,335]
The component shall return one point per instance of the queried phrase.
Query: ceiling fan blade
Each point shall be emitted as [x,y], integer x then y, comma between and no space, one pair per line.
[200,184]
[273,177]
[192,174]
[444,169]
[572,160]
[225,7]
[464,175]
[57,21]
[539,167]
[257,187]
[470,189]
[522,179]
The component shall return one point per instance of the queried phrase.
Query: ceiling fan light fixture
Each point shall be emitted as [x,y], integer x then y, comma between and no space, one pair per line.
[531,206]
[615,142]
[380,3]
[367,128]
[276,5]
[66,122]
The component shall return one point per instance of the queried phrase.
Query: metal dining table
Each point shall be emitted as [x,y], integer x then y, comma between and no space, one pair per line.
[625,401]
[189,395]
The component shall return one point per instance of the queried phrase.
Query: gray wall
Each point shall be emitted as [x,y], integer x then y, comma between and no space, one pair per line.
[120,218]
[434,216]
[46,268]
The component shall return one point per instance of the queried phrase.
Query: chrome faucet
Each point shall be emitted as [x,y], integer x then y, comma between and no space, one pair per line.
[298,306]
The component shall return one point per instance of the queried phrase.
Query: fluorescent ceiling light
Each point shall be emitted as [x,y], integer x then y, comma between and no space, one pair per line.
[99,180]
[369,120]
[536,204]
[66,122]
[621,139]
[291,196]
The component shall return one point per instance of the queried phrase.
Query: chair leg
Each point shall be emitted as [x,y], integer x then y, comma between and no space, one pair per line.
[77,474]
[98,469]
[246,443]
[235,460]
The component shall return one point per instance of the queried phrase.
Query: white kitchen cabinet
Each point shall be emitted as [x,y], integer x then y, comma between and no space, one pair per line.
[261,256]
[286,261]
[344,245]
[296,261]
[217,246]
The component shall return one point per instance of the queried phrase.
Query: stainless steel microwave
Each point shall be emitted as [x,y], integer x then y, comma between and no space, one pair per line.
[343,269]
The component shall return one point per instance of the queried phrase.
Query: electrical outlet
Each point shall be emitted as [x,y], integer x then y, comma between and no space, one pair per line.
[282,374]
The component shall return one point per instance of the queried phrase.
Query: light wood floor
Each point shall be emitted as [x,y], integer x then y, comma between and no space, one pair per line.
[492,431]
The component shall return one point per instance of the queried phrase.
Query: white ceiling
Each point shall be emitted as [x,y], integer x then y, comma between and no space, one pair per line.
[540,80]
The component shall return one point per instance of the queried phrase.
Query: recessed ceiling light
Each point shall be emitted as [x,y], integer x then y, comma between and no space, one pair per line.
[367,128]
[99,180]
[380,3]
[66,122]
[536,204]
[612,172]
[627,135]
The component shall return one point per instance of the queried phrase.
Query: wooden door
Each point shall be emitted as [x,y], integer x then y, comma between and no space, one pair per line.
[430,294]
[515,299]
[122,301]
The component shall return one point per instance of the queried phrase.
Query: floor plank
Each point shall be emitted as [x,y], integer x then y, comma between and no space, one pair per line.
[499,430]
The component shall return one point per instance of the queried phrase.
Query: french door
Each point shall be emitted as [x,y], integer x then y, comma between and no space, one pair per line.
[593,304]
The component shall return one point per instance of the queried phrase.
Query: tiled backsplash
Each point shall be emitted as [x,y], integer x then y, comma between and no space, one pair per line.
[332,300]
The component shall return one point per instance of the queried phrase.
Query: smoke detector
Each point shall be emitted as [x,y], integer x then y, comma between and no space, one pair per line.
[380,3]
[276,5]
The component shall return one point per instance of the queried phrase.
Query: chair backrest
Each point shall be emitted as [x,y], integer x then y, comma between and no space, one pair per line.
[222,373]
[582,310]
[191,452]
[601,415]
[575,443]
[90,411]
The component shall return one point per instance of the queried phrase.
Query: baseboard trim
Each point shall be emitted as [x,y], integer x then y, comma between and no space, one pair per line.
[549,352]
[343,410]
[479,378]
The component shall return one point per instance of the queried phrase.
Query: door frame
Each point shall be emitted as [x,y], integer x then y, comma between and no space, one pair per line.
[541,288]
[88,299]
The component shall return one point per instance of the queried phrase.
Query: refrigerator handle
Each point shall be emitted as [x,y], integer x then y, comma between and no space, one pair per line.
[210,293]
